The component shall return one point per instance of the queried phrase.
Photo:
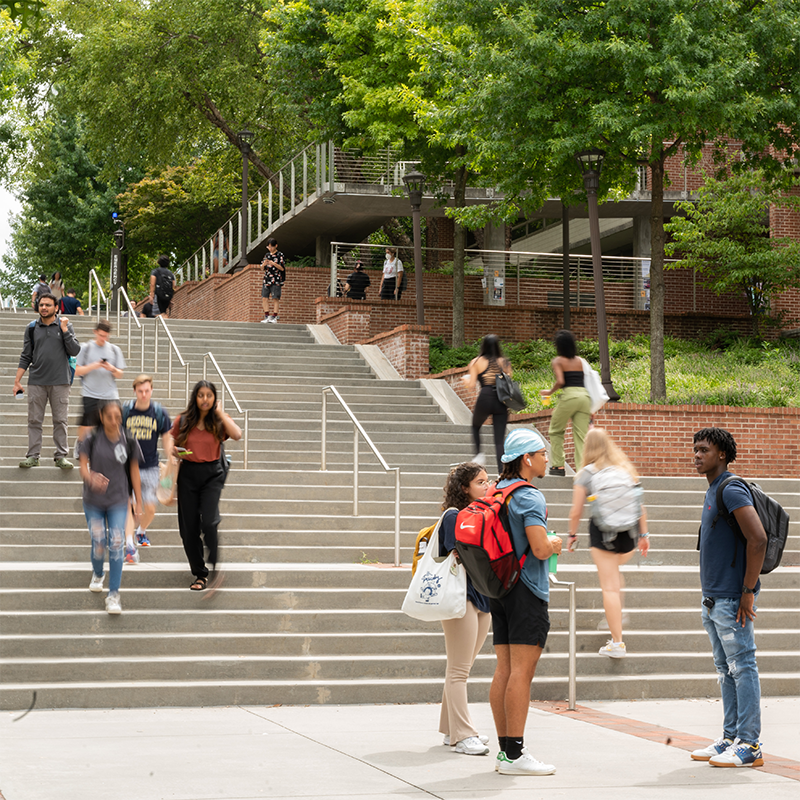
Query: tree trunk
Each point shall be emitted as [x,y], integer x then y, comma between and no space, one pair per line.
[459,244]
[658,380]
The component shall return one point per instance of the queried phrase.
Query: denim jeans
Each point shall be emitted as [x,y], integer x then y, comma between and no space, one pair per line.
[734,649]
[107,527]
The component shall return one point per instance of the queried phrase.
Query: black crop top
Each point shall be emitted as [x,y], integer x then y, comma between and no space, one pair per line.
[573,378]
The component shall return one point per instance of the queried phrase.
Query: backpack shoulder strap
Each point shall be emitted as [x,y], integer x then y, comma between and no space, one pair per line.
[721,509]
[159,412]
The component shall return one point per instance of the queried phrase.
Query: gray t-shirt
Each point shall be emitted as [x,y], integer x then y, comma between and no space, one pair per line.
[109,459]
[100,383]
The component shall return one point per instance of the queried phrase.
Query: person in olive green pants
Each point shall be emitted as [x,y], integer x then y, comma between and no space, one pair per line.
[573,404]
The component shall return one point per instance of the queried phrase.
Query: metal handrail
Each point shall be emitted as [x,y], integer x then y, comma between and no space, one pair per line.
[101,293]
[12,302]
[131,314]
[226,385]
[173,346]
[573,663]
[358,429]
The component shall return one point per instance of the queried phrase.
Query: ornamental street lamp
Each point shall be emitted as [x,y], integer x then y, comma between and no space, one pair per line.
[591,161]
[245,140]
[414,182]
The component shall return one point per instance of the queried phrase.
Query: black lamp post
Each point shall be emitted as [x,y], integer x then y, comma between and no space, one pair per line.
[591,161]
[245,139]
[119,271]
[414,182]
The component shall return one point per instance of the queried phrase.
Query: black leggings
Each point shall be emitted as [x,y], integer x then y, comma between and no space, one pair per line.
[199,489]
[487,405]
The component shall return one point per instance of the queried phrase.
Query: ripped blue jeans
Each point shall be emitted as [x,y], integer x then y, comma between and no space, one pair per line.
[107,528]
[734,649]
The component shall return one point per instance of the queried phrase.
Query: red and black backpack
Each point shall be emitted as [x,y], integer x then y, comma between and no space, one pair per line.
[484,543]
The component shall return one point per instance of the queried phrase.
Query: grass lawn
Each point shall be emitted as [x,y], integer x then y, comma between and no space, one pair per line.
[721,370]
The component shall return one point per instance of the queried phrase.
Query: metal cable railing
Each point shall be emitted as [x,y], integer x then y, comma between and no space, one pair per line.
[246,413]
[9,302]
[526,278]
[359,430]
[172,347]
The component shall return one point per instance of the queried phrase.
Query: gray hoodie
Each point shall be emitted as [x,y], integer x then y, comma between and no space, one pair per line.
[46,351]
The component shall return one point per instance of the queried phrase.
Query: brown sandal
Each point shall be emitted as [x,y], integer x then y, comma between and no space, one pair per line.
[199,584]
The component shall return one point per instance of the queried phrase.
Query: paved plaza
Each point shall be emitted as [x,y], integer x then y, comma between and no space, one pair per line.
[604,750]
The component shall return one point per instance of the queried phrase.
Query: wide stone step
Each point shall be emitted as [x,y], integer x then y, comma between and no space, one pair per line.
[134,694]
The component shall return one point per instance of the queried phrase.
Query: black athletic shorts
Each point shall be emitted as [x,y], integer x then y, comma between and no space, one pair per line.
[91,414]
[624,543]
[519,618]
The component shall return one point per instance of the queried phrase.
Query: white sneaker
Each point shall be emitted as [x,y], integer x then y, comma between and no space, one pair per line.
[613,649]
[471,746]
[715,749]
[266,319]
[526,764]
[480,458]
[96,584]
[113,605]
[273,319]
[499,759]
[482,736]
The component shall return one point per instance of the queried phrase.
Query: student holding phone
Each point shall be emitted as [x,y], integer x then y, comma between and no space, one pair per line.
[198,434]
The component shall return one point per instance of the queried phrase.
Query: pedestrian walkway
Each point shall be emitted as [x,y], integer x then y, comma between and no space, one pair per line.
[604,750]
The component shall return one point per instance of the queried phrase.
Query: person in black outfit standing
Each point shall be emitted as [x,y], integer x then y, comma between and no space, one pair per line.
[357,283]
[484,370]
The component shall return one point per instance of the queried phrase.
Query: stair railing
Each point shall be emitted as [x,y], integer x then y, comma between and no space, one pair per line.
[573,664]
[9,302]
[172,347]
[131,316]
[226,385]
[100,293]
[359,430]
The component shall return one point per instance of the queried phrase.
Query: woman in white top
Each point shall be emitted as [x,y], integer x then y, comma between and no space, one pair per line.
[392,276]
[57,287]
[600,452]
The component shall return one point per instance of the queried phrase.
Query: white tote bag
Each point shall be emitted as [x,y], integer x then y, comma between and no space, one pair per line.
[593,385]
[438,588]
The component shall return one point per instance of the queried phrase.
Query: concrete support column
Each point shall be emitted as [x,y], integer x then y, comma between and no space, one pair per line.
[494,265]
[641,249]
[323,251]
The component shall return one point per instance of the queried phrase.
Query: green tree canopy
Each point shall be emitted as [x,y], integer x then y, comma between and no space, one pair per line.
[725,236]
[644,81]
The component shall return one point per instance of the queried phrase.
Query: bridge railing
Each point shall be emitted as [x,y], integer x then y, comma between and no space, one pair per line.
[312,174]
[526,278]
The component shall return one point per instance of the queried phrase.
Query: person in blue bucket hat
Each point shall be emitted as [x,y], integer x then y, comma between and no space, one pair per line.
[520,621]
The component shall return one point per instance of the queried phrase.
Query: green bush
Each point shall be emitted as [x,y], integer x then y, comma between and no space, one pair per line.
[745,372]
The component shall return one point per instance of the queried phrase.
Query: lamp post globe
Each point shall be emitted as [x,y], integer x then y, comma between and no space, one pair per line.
[415,182]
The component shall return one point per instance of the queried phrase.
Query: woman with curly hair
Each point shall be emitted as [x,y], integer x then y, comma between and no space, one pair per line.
[197,435]
[463,637]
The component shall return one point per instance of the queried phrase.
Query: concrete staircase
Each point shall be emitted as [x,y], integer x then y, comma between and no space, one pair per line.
[310,608]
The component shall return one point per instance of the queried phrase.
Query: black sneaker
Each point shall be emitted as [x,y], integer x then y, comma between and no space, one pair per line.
[558,472]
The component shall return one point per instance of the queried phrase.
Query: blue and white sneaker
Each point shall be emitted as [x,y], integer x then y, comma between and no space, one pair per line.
[739,754]
[142,540]
[715,749]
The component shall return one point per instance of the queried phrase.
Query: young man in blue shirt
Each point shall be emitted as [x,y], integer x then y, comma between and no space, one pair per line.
[520,622]
[729,570]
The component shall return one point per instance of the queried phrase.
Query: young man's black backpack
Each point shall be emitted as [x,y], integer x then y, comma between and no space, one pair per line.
[772,515]
[164,289]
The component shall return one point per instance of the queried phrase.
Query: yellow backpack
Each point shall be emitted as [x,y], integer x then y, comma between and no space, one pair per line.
[423,539]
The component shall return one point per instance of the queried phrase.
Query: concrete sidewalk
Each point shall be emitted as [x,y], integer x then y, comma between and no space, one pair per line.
[607,750]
